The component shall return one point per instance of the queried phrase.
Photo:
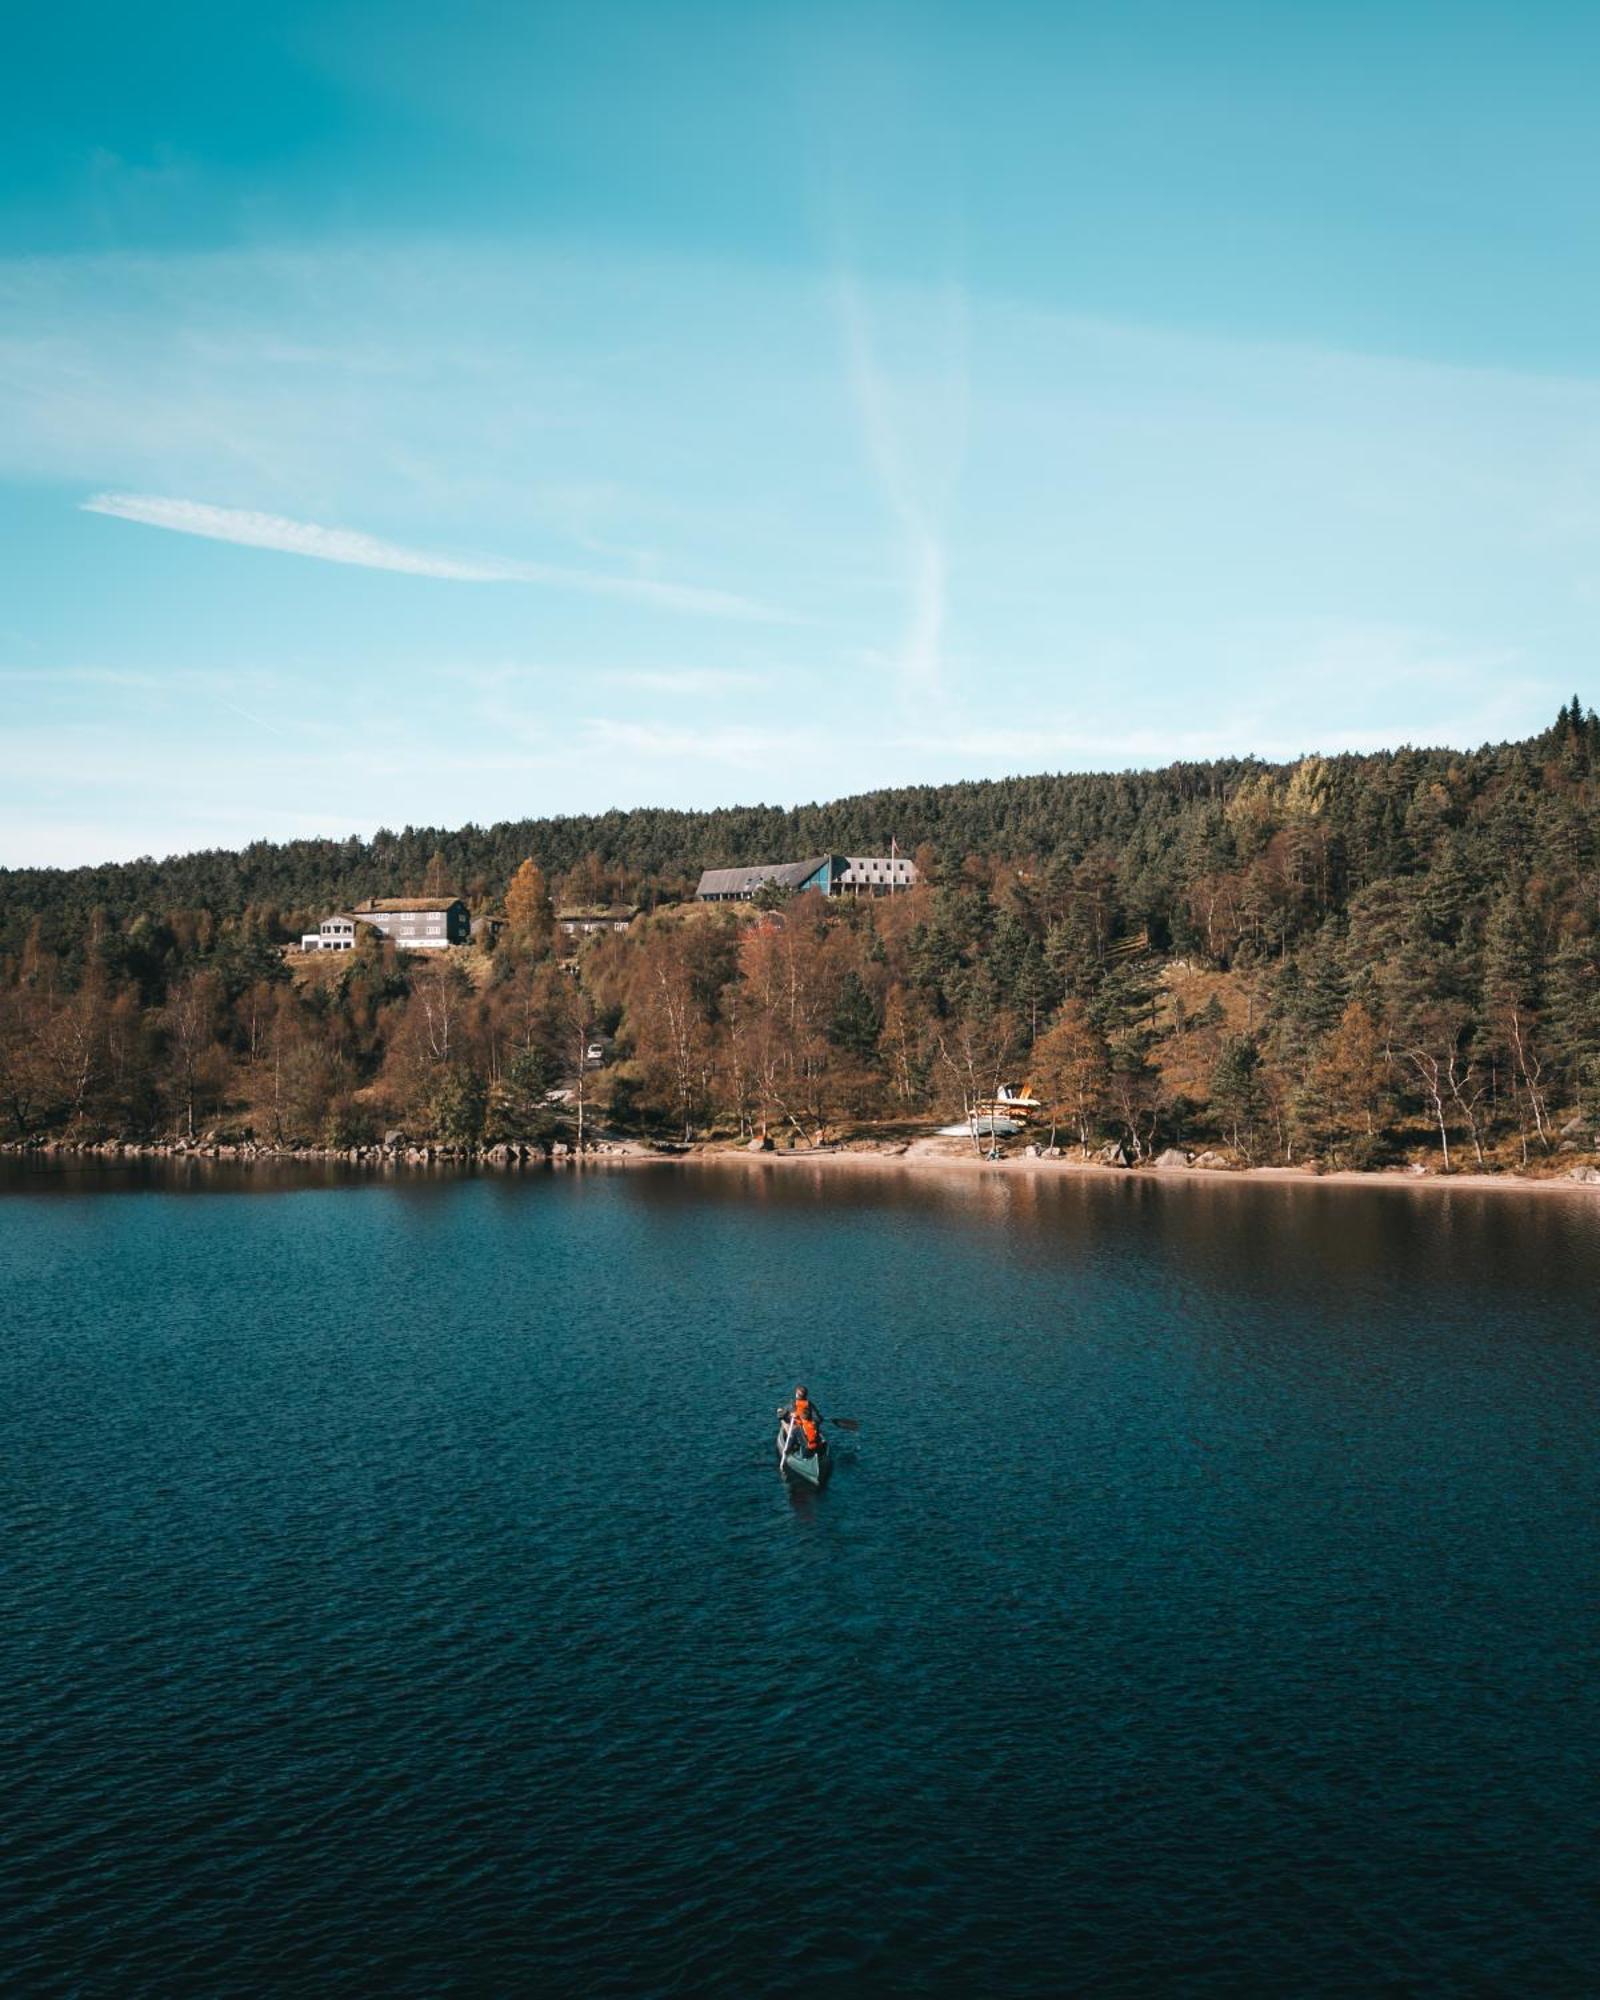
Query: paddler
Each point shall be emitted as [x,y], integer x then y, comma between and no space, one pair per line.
[807,1419]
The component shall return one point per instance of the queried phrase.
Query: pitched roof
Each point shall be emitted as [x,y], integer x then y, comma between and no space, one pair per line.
[742,881]
[398,905]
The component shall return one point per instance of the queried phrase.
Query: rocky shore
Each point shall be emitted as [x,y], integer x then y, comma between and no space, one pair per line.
[942,1153]
[393,1151]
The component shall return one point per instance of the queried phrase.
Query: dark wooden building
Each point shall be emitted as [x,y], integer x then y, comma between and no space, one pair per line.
[419,923]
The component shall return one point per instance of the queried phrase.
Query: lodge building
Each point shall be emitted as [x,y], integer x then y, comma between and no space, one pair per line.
[418,923]
[828,874]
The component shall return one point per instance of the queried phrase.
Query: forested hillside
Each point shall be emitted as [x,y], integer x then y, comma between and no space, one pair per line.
[648,852]
[1344,959]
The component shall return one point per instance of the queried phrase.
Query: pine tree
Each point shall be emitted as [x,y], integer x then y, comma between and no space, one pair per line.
[1512,1032]
[855,1026]
[1573,1020]
[1238,1094]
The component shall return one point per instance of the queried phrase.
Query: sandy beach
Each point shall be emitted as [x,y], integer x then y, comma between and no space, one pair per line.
[924,1156]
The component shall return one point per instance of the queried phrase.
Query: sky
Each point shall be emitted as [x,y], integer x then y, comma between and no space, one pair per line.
[414,415]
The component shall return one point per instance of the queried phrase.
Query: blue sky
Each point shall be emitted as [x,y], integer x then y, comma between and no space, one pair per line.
[424,415]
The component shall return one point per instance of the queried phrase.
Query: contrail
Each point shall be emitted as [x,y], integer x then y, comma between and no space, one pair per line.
[922,642]
[347,545]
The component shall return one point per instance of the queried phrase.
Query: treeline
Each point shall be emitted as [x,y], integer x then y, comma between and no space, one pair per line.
[1152,818]
[1343,959]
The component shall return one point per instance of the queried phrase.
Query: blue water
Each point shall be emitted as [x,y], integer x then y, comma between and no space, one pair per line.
[399,1594]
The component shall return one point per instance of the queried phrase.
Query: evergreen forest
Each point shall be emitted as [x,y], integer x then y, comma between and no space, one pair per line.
[1356,960]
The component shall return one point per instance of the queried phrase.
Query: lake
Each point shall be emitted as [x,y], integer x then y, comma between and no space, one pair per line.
[400,1595]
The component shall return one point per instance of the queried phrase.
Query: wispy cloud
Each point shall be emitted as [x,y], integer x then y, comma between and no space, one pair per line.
[98,677]
[251,530]
[729,744]
[682,680]
[134,694]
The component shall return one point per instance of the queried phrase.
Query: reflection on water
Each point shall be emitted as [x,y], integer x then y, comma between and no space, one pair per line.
[401,1592]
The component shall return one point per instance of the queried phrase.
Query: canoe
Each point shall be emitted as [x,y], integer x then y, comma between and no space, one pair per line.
[793,1462]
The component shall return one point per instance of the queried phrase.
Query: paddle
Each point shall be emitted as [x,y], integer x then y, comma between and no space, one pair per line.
[842,1423]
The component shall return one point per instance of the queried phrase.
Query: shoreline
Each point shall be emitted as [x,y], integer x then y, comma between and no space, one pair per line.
[1022,1166]
[919,1156]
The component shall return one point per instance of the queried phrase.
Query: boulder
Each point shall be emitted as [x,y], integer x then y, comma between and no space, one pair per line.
[1052,1152]
[760,1144]
[1031,1152]
[1589,1176]
[1173,1161]
[1112,1155]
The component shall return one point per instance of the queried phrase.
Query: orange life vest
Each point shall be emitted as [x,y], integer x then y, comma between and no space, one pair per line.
[805,1416]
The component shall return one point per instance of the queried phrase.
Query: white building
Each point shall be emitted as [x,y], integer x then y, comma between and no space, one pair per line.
[828,874]
[332,934]
[876,875]
[417,923]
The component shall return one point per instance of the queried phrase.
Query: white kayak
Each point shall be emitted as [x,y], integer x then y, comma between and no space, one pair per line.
[795,1462]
